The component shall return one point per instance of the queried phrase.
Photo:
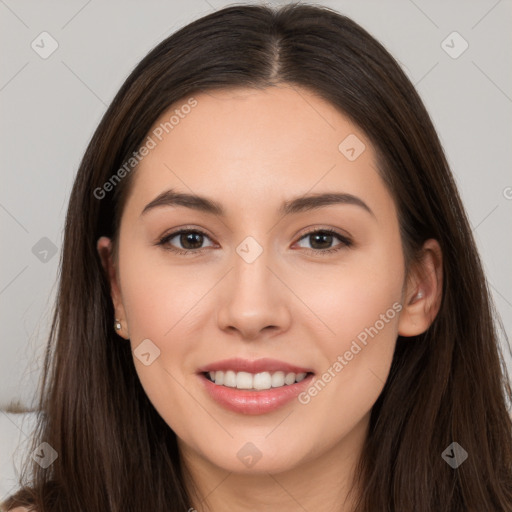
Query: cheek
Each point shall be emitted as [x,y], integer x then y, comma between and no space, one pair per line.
[356,294]
[159,298]
[161,306]
[360,304]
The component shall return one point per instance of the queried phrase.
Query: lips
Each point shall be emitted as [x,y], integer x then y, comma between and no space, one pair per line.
[254,401]
[256,366]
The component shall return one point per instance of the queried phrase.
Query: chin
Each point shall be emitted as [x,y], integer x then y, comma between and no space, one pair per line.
[253,458]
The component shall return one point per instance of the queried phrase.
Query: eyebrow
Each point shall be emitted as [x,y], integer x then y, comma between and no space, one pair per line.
[292,206]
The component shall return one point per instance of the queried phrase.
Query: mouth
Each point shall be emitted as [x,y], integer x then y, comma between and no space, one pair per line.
[255,382]
[254,387]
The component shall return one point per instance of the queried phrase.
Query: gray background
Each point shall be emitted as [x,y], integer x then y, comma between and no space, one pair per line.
[50,108]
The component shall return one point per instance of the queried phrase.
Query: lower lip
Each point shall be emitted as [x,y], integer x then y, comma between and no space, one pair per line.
[254,402]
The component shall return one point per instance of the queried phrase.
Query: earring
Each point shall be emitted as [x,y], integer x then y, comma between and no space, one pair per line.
[419,295]
[117,325]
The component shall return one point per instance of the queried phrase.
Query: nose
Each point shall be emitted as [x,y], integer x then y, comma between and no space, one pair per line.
[253,301]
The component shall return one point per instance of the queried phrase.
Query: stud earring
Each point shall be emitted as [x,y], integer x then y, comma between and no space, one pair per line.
[419,295]
[117,325]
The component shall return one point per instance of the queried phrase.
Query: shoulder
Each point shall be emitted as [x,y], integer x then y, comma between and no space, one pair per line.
[21,509]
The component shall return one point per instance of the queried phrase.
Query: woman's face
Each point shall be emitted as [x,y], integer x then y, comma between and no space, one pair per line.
[263,282]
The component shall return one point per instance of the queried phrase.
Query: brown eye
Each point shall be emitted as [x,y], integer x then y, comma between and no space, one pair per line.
[191,241]
[321,241]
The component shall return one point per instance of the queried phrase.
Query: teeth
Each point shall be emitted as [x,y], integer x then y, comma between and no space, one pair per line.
[230,379]
[258,381]
[243,380]
[277,379]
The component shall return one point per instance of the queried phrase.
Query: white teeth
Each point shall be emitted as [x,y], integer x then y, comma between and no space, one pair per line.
[230,379]
[289,379]
[300,376]
[278,379]
[258,381]
[243,380]
[262,381]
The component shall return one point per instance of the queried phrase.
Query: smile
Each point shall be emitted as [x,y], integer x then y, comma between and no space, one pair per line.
[254,387]
[256,382]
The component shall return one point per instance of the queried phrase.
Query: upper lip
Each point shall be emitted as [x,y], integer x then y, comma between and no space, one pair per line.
[256,366]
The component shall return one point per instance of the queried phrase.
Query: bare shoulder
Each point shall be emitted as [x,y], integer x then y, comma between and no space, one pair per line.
[21,509]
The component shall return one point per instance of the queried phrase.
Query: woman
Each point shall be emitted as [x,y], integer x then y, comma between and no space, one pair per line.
[203,358]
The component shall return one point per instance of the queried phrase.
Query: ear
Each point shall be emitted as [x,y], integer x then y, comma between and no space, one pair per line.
[104,248]
[423,291]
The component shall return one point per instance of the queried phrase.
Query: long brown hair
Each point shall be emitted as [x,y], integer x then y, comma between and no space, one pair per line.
[447,385]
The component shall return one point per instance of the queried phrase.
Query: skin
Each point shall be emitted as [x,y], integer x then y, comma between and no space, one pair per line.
[250,150]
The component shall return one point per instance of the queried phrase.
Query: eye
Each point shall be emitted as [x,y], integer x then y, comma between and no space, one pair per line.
[190,239]
[323,238]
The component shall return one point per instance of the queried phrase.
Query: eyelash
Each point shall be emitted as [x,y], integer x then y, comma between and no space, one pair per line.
[345,242]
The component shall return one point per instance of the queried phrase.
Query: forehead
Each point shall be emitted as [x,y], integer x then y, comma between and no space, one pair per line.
[249,146]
